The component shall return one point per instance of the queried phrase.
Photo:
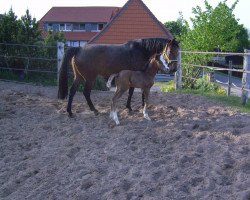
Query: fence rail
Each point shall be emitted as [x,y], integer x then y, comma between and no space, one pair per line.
[33,55]
[245,71]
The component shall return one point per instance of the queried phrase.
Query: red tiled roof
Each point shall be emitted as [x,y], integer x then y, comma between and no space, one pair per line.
[134,21]
[79,14]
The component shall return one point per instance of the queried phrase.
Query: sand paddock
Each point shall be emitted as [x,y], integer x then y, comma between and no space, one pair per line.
[192,149]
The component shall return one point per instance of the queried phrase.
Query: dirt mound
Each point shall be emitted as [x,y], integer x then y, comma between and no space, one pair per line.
[192,148]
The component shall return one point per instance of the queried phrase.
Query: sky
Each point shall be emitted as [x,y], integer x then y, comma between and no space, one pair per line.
[164,10]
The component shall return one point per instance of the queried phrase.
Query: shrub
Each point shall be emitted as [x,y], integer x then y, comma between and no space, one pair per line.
[168,87]
[100,84]
[203,85]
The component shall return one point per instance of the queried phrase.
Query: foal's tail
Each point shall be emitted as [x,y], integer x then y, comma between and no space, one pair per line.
[110,80]
[63,78]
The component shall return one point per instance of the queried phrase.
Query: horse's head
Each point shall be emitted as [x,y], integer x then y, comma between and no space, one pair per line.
[169,56]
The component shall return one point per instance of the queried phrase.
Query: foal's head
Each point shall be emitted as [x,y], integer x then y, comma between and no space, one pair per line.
[157,62]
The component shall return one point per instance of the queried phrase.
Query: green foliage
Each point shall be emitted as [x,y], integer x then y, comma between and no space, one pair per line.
[215,28]
[212,28]
[24,30]
[167,87]
[203,85]
[177,28]
[100,84]
[53,37]
[9,27]
[28,32]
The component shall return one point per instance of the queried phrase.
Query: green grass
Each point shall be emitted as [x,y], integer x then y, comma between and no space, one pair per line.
[231,101]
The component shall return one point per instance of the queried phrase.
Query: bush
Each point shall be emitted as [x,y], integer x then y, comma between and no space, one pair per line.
[100,84]
[203,85]
[168,87]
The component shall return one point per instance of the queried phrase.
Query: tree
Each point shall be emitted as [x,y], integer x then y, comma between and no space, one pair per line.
[28,31]
[9,27]
[213,28]
[178,27]
[53,37]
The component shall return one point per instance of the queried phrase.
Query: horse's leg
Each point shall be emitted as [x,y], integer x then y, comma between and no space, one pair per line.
[130,93]
[86,92]
[72,93]
[113,113]
[146,94]
[143,98]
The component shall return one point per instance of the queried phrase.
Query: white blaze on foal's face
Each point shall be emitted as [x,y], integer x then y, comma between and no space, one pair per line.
[164,63]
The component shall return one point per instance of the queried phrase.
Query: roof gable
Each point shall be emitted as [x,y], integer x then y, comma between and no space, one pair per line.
[134,21]
[79,14]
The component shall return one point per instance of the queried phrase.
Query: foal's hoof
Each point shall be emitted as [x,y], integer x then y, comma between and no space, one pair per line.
[147,117]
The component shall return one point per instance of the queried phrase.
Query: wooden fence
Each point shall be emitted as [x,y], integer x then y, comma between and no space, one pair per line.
[246,71]
[59,49]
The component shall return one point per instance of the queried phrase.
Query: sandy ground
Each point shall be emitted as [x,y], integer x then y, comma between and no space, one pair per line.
[192,148]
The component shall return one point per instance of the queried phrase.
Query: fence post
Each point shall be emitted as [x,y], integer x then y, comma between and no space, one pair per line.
[60,52]
[245,77]
[178,73]
[229,78]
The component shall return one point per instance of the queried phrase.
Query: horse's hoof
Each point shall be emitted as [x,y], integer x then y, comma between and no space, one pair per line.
[96,112]
[70,115]
[129,108]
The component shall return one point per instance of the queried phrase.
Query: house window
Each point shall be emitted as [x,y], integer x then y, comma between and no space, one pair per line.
[78,27]
[100,27]
[50,27]
[97,27]
[76,43]
[68,27]
[83,43]
[65,27]
[62,27]
[82,27]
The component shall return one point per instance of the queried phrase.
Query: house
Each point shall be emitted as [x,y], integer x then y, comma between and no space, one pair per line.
[104,25]
[79,24]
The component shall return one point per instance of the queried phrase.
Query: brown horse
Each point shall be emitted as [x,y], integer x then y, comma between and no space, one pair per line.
[104,60]
[136,79]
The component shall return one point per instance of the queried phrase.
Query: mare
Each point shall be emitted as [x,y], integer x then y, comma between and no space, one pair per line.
[94,59]
[136,79]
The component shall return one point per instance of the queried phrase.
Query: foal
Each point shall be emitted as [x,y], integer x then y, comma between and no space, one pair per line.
[137,79]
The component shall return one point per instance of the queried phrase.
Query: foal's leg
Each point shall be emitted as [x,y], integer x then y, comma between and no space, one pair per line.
[72,93]
[86,92]
[130,93]
[113,113]
[146,94]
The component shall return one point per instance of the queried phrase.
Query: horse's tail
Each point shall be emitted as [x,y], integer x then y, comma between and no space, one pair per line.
[110,80]
[63,73]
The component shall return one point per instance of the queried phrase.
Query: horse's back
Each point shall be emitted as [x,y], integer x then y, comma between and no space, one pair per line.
[103,59]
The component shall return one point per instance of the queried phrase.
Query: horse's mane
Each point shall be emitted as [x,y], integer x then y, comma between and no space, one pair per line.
[150,44]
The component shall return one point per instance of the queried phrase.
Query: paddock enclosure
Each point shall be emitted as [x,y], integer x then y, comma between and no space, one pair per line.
[192,149]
